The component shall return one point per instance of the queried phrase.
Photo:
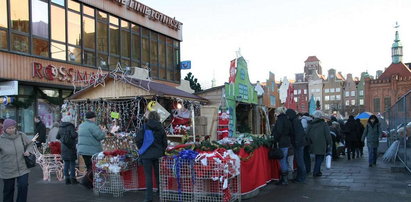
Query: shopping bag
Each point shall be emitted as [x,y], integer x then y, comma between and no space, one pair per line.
[328,161]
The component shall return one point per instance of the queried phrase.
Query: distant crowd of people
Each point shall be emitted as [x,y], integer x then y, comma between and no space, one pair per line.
[300,135]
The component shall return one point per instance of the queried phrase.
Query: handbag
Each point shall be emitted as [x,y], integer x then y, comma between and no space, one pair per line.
[30,159]
[275,153]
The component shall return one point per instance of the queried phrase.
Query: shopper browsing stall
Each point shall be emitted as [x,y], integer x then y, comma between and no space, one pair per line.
[68,137]
[14,145]
[152,142]
[89,137]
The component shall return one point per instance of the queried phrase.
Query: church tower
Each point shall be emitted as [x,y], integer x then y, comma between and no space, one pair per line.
[396,50]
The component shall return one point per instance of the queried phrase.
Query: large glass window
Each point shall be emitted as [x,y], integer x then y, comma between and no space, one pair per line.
[135,47]
[88,11]
[59,2]
[162,56]
[114,40]
[145,51]
[40,18]
[154,55]
[19,43]
[19,14]
[89,58]
[3,14]
[40,47]
[74,5]
[177,74]
[387,103]
[74,28]
[125,43]
[3,39]
[102,37]
[74,54]
[58,25]
[58,51]
[89,33]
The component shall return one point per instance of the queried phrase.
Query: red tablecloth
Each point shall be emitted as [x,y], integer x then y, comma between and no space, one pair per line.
[258,170]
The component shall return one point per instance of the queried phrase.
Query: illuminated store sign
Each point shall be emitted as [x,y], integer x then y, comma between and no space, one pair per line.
[150,13]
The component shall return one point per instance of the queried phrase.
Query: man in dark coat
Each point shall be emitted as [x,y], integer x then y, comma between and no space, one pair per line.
[154,148]
[298,142]
[68,137]
[351,139]
[281,133]
[40,129]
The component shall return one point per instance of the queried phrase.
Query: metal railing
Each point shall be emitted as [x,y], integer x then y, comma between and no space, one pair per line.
[397,118]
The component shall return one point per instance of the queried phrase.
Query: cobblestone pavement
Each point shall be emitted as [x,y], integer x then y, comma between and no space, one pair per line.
[346,181]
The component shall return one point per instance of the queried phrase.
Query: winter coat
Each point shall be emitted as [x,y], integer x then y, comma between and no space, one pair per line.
[281,131]
[41,130]
[305,120]
[297,130]
[158,148]
[372,132]
[11,155]
[52,134]
[89,138]
[319,136]
[350,131]
[68,152]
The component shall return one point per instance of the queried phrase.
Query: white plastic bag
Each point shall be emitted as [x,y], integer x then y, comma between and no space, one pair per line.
[328,161]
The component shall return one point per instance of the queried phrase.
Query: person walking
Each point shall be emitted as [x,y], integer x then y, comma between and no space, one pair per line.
[40,129]
[305,120]
[360,131]
[351,140]
[372,132]
[320,140]
[281,133]
[298,142]
[152,143]
[14,145]
[68,137]
[89,143]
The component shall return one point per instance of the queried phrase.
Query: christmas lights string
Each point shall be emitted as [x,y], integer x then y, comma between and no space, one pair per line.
[130,112]
[99,79]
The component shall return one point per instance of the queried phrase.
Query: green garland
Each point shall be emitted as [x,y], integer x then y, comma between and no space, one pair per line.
[256,143]
[36,93]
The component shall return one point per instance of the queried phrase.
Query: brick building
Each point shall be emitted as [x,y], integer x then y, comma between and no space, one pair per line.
[301,92]
[382,92]
[332,92]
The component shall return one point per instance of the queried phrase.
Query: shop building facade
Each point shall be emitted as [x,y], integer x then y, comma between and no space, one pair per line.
[50,46]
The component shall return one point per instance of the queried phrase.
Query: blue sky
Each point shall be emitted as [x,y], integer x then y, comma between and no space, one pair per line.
[276,35]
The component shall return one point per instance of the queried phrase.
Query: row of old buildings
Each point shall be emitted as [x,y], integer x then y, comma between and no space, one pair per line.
[335,93]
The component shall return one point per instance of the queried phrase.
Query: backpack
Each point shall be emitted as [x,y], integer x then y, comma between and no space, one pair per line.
[147,140]
[67,140]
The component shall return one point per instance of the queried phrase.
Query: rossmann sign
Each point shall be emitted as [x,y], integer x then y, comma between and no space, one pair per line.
[63,74]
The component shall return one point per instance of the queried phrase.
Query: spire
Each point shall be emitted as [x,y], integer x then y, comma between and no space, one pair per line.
[396,50]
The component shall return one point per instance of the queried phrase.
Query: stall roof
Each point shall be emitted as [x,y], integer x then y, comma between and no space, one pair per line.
[145,88]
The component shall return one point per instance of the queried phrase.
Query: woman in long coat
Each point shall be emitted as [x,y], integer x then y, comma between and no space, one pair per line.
[68,137]
[319,136]
[372,132]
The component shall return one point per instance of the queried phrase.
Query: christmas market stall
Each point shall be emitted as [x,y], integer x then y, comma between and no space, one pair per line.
[239,122]
[121,104]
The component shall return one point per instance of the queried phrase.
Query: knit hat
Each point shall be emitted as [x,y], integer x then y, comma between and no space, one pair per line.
[66,118]
[90,115]
[8,123]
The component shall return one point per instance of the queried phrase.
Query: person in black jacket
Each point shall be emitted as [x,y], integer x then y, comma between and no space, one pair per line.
[40,129]
[68,137]
[298,141]
[281,133]
[155,150]
[360,144]
[351,140]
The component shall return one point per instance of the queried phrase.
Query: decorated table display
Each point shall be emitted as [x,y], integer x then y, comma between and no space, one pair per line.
[115,169]
[211,170]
